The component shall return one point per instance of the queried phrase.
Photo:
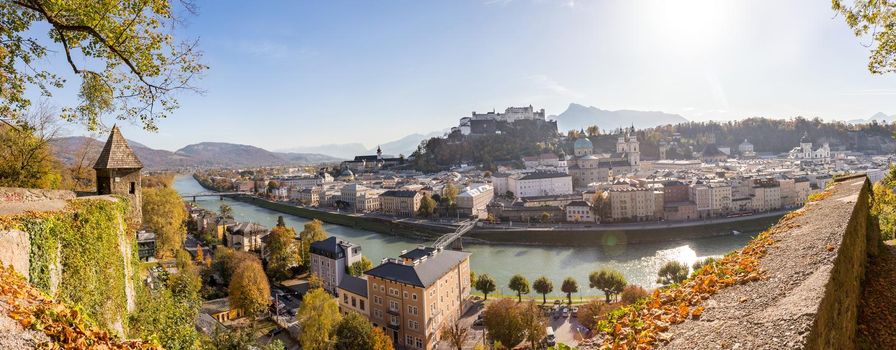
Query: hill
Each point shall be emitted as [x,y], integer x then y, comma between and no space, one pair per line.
[578,116]
[72,150]
[880,117]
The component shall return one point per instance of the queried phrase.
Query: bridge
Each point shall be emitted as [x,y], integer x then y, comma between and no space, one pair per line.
[220,195]
[452,238]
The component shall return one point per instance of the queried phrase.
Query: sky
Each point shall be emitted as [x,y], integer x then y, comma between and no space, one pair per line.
[302,73]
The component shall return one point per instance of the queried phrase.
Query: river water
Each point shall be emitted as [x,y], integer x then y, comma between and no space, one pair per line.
[638,262]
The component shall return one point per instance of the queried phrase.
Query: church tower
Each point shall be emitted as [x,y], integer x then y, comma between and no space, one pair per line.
[379,153]
[118,171]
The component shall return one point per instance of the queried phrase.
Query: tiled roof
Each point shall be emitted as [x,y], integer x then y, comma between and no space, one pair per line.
[399,193]
[117,154]
[354,285]
[543,175]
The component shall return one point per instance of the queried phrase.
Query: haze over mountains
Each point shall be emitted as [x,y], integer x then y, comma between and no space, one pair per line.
[880,117]
[75,149]
[405,145]
[578,116]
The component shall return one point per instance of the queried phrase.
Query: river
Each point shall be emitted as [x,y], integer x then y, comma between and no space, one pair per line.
[638,262]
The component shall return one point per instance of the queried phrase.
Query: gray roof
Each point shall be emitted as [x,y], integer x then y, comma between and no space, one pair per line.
[355,285]
[543,175]
[329,245]
[399,193]
[116,154]
[417,253]
[425,273]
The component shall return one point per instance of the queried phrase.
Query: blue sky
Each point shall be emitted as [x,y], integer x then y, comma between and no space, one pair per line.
[297,73]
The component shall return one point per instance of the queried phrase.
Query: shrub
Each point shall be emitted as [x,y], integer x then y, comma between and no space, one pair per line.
[633,293]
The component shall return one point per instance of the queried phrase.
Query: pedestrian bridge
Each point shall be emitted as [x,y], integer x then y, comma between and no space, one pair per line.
[452,238]
[220,195]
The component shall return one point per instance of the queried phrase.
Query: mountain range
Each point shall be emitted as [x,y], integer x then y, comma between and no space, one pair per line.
[577,116]
[879,116]
[405,145]
[71,150]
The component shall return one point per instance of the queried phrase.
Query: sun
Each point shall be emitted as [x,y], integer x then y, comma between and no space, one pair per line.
[688,25]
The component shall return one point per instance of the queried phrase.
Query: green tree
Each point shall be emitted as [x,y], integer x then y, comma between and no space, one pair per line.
[167,314]
[610,281]
[672,272]
[454,334]
[504,323]
[472,279]
[705,262]
[877,18]
[318,315]
[122,51]
[883,206]
[313,232]
[534,323]
[543,286]
[164,213]
[592,130]
[353,332]
[569,286]
[485,284]
[427,206]
[249,290]
[283,252]
[358,267]
[520,285]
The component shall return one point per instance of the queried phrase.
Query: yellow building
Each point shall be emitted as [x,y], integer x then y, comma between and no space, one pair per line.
[400,202]
[413,296]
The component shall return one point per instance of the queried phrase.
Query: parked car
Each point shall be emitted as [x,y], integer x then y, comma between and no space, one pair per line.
[575,311]
[565,312]
[550,339]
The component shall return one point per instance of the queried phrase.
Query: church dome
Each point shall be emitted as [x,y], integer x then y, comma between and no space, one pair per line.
[583,144]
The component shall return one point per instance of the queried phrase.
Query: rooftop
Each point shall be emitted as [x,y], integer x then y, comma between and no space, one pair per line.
[424,273]
[354,285]
[116,154]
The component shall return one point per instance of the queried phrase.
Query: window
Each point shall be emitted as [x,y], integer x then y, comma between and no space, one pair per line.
[133,188]
[413,325]
[378,313]
[362,304]
[405,294]
[414,296]
[419,343]
[409,340]
[378,300]
[353,302]
[412,310]
[393,320]
[393,305]
[345,298]
[393,292]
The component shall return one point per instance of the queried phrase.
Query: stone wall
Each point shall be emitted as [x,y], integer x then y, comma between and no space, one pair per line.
[812,277]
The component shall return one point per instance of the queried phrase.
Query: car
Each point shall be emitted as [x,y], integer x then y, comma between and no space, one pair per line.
[557,302]
[550,339]
[565,312]
[575,311]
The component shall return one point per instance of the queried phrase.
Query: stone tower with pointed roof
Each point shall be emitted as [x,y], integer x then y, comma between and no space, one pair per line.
[118,171]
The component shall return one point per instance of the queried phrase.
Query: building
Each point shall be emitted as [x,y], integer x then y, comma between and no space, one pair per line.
[146,245]
[746,149]
[541,184]
[805,151]
[352,295]
[675,191]
[766,195]
[306,196]
[400,202]
[371,163]
[220,310]
[712,154]
[472,201]
[330,259]
[579,211]
[586,167]
[412,297]
[118,172]
[359,198]
[246,236]
[632,204]
[719,198]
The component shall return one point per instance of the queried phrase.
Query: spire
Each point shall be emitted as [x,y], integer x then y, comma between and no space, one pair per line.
[116,154]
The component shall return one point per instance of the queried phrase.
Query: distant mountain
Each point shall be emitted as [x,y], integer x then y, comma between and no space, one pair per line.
[879,116]
[405,145]
[71,150]
[578,116]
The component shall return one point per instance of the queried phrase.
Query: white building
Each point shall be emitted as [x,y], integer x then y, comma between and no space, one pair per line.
[579,211]
[511,114]
[330,259]
[473,200]
[540,184]
[805,151]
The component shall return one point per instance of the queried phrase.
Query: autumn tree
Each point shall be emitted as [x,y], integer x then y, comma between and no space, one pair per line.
[632,293]
[379,340]
[543,286]
[569,286]
[121,51]
[592,130]
[449,193]
[454,333]
[318,315]
[876,18]
[164,213]
[504,323]
[227,261]
[249,290]
[672,272]
[353,332]
[313,232]
[357,268]
[520,285]
[26,158]
[610,281]
[485,284]
[591,312]
[283,252]
[225,211]
[533,322]
[427,206]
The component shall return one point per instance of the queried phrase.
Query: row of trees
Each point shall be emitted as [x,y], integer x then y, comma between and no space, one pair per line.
[324,328]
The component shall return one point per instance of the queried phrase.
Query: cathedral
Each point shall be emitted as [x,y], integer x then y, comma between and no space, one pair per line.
[805,151]
[587,167]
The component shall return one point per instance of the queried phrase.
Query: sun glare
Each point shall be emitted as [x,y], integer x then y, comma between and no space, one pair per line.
[688,26]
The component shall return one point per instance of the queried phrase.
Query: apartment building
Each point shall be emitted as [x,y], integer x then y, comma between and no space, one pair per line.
[766,195]
[400,202]
[579,211]
[412,297]
[541,184]
[352,296]
[329,259]
[632,204]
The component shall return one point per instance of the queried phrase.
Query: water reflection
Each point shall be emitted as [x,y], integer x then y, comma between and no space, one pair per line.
[638,262]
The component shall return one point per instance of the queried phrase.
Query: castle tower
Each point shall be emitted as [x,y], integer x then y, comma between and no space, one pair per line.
[806,145]
[118,171]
